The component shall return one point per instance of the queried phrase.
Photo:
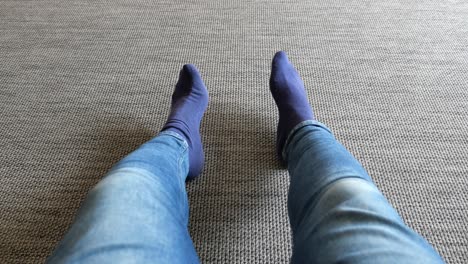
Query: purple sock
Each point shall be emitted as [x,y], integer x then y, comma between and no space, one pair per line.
[189,102]
[290,96]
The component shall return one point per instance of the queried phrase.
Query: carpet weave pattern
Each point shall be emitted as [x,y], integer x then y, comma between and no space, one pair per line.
[82,83]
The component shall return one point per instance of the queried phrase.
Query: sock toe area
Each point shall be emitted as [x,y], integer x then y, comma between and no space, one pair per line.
[191,71]
[280,56]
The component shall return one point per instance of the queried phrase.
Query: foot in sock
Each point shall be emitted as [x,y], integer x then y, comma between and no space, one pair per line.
[290,96]
[189,102]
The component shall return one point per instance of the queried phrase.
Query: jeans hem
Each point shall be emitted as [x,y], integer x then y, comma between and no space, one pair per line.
[176,135]
[297,128]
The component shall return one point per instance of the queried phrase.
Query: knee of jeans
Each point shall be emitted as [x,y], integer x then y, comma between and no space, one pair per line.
[125,179]
[143,180]
[138,186]
[361,192]
[354,196]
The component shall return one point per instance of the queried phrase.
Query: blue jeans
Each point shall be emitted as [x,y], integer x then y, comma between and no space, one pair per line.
[336,212]
[139,212]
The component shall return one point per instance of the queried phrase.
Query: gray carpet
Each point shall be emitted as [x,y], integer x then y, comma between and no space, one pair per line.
[82,83]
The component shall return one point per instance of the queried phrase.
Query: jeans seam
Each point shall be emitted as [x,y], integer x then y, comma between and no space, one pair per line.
[180,160]
[180,176]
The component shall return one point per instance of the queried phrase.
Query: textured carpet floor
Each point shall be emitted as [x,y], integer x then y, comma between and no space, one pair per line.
[82,83]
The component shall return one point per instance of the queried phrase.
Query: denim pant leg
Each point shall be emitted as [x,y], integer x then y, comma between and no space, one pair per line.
[336,212]
[138,213]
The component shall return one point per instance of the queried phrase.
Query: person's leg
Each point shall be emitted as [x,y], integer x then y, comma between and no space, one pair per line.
[336,213]
[138,213]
